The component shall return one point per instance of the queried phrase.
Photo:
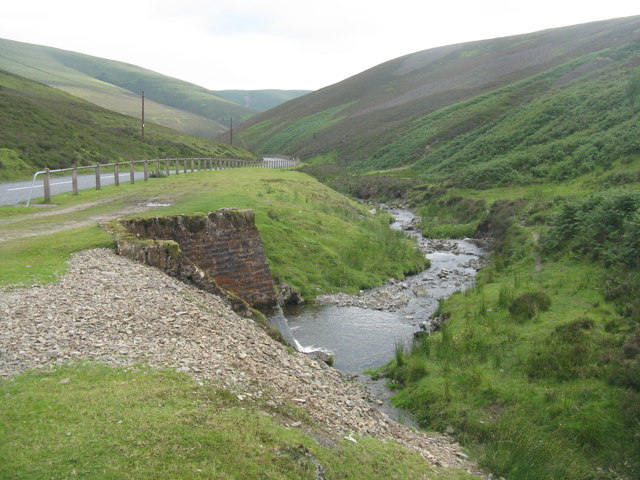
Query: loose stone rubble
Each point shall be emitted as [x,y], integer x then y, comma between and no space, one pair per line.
[114,310]
[393,295]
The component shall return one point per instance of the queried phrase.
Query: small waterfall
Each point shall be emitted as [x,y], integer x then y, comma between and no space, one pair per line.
[278,320]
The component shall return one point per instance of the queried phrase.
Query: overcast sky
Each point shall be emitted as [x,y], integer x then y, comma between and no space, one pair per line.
[286,44]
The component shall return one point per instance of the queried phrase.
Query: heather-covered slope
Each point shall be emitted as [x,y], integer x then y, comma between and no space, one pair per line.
[409,108]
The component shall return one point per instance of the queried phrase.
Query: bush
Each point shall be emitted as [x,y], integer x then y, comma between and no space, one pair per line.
[604,227]
[526,305]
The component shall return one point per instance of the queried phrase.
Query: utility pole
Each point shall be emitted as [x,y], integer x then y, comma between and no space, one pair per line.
[231,131]
[143,115]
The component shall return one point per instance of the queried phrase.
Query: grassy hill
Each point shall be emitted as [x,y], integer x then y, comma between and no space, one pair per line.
[409,109]
[42,126]
[261,100]
[117,86]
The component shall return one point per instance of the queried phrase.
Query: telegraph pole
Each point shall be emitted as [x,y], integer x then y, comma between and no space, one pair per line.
[143,115]
[231,131]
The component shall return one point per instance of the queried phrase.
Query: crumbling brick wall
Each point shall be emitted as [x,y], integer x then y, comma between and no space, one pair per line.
[224,245]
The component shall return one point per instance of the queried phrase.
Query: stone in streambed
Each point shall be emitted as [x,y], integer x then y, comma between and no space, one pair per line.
[321,355]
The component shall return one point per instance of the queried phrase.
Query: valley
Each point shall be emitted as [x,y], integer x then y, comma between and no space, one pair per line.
[528,144]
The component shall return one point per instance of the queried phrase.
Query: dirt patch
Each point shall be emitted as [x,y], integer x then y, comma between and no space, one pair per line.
[54,227]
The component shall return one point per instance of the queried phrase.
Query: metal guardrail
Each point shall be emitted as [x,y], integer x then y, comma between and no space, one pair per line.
[163,167]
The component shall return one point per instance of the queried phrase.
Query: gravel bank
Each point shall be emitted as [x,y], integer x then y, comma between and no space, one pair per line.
[113,310]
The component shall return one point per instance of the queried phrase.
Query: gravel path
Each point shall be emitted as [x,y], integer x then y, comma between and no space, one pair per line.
[111,309]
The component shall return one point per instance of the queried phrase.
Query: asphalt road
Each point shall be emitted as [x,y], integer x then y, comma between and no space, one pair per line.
[17,193]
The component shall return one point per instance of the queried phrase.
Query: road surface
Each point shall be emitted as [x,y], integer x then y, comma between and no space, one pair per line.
[17,193]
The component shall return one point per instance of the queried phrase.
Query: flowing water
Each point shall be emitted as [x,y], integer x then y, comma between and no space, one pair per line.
[366,338]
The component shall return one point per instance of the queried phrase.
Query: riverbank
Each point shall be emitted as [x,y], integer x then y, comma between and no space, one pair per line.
[114,311]
[363,331]
[535,367]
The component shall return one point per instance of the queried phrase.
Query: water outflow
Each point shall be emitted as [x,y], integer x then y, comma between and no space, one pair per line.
[278,320]
[366,338]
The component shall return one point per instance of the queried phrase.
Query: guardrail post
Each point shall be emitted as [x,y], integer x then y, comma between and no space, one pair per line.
[146,170]
[74,180]
[132,173]
[116,174]
[199,164]
[166,167]
[157,168]
[177,166]
[97,176]
[47,186]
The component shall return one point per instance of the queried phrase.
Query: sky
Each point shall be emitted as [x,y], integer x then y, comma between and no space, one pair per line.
[282,44]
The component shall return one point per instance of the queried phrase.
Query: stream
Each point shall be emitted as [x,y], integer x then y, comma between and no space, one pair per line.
[362,331]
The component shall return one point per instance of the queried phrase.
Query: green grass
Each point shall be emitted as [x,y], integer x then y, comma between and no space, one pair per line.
[12,166]
[298,133]
[533,396]
[315,239]
[91,421]
[41,259]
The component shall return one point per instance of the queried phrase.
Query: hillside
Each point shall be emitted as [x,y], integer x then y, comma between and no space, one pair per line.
[419,108]
[261,100]
[117,86]
[42,126]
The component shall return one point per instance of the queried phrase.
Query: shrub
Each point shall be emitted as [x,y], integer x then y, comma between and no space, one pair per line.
[631,347]
[605,227]
[526,305]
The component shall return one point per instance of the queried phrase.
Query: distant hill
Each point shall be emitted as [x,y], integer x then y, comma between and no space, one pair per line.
[117,86]
[261,100]
[507,103]
[42,126]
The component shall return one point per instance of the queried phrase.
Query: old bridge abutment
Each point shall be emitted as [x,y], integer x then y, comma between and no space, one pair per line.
[220,252]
